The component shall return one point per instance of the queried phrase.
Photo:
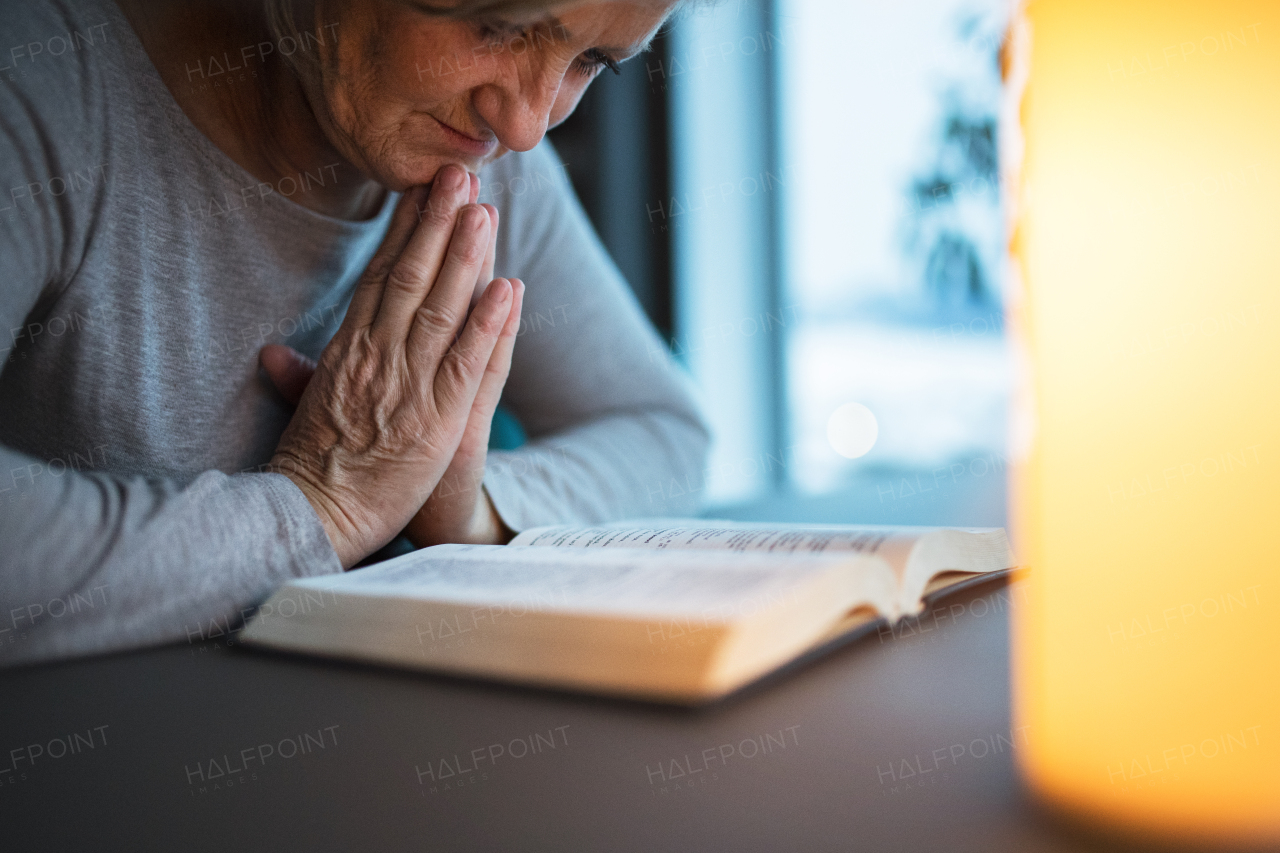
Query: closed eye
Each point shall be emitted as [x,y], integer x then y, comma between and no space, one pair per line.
[591,61]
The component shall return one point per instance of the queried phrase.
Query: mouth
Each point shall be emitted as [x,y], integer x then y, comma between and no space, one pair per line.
[463,143]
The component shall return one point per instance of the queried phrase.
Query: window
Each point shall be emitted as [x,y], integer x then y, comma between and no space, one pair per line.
[838,248]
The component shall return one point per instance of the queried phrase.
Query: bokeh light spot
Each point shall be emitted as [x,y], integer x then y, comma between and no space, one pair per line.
[852,430]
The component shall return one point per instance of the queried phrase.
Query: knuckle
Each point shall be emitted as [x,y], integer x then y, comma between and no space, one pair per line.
[453,376]
[365,372]
[407,276]
[468,254]
[360,363]
[490,328]
[437,213]
[379,268]
[474,360]
[437,319]
[489,324]
[466,365]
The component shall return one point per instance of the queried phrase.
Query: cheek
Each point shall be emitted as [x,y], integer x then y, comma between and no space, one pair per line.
[408,64]
[403,72]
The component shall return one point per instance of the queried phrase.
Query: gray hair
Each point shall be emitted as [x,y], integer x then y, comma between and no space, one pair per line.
[282,18]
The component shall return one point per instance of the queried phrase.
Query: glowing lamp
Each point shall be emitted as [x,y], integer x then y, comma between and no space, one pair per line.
[1144,149]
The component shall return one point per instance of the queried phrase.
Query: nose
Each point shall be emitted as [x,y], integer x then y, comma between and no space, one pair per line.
[518,109]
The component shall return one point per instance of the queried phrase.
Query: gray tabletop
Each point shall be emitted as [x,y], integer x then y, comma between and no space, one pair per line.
[899,741]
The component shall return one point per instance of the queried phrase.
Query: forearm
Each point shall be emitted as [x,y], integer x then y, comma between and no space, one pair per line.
[98,563]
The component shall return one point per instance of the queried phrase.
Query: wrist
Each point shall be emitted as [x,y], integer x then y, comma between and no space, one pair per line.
[331,517]
[441,523]
[488,528]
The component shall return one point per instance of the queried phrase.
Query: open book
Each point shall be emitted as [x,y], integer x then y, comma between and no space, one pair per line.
[681,611]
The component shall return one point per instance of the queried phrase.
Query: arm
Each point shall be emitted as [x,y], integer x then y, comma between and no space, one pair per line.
[93,562]
[614,428]
[97,563]
[374,431]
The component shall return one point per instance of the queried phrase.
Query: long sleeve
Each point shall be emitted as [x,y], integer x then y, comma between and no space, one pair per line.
[614,428]
[101,560]
[96,563]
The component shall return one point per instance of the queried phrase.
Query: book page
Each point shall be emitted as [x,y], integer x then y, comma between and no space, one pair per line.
[915,554]
[615,581]
[892,545]
[721,535]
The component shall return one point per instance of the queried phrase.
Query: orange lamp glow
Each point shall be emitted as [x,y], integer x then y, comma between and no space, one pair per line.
[1146,144]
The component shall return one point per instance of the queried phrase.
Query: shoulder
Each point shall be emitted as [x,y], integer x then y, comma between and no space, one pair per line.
[59,62]
[44,22]
[53,49]
[60,67]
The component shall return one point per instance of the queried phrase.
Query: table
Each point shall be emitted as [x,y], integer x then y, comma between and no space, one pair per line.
[899,741]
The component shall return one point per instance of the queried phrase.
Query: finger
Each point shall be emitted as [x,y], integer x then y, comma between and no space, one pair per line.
[458,377]
[486,269]
[289,370]
[495,374]
[475,187]
[441,313]
[368,293]
[414,272]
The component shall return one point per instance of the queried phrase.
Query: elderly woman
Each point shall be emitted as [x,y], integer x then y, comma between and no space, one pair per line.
[254,326]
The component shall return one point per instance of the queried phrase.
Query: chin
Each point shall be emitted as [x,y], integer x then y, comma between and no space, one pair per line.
[407,171]
[415,169]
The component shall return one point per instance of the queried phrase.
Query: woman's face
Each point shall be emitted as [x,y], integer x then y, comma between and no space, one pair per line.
[404,92]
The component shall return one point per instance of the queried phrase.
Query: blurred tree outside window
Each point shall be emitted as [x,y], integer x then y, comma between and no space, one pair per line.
[894,243]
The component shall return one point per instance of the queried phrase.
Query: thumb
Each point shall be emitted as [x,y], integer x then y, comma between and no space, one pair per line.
[290,370]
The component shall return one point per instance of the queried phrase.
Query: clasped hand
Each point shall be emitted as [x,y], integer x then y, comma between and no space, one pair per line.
[392,424]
